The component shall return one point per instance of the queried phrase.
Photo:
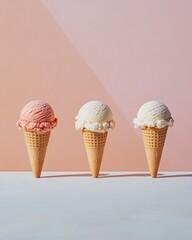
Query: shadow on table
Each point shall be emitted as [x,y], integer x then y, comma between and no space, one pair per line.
[73,175]
[160,175]
[175,176]
[102,175]
[126,175]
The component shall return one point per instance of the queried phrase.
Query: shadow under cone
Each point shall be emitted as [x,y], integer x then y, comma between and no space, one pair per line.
[154,139]
[94,144]
[36,146]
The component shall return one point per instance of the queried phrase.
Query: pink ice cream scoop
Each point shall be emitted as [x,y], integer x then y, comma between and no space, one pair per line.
[37,116]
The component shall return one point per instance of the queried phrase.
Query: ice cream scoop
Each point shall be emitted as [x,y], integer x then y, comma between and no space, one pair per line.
[94,119]
[37,119]
[153,114]
[95,116]
[153,118]
[37,116]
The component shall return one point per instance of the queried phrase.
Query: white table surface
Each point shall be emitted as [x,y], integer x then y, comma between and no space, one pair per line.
[116,206]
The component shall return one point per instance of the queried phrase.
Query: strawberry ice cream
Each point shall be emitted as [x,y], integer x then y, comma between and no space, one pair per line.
[37,116]
[37,119]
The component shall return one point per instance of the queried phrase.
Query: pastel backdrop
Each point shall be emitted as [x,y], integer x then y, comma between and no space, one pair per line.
[124,52]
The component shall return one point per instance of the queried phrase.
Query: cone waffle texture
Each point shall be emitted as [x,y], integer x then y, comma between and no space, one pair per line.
[94,144]
[154,139]
[36,146]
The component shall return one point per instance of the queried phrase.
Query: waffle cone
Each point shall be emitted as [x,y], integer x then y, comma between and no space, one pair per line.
[154,139]
[36,147]
[94,144]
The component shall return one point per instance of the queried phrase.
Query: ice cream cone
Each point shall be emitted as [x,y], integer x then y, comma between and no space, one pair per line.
[36,146]
[154,139]
[94,144]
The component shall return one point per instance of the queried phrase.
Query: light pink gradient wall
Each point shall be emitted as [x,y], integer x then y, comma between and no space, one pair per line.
[120,51]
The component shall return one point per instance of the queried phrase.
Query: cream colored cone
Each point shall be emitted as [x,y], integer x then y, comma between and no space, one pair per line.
[36,146]
[94,144]
[154,139]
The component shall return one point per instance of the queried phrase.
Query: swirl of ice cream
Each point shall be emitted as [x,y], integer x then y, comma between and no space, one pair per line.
[95,116]
[37,116]
[153,114]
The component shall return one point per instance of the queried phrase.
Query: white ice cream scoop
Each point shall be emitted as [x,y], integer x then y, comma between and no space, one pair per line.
[153,114]
[95,116]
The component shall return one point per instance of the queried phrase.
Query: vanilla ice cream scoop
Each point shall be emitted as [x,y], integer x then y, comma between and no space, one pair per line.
[153,114]
[95,116]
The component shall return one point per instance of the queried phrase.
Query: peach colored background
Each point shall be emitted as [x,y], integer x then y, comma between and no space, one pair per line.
[124,52]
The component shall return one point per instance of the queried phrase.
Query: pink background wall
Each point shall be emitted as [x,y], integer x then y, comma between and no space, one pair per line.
[124,52]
